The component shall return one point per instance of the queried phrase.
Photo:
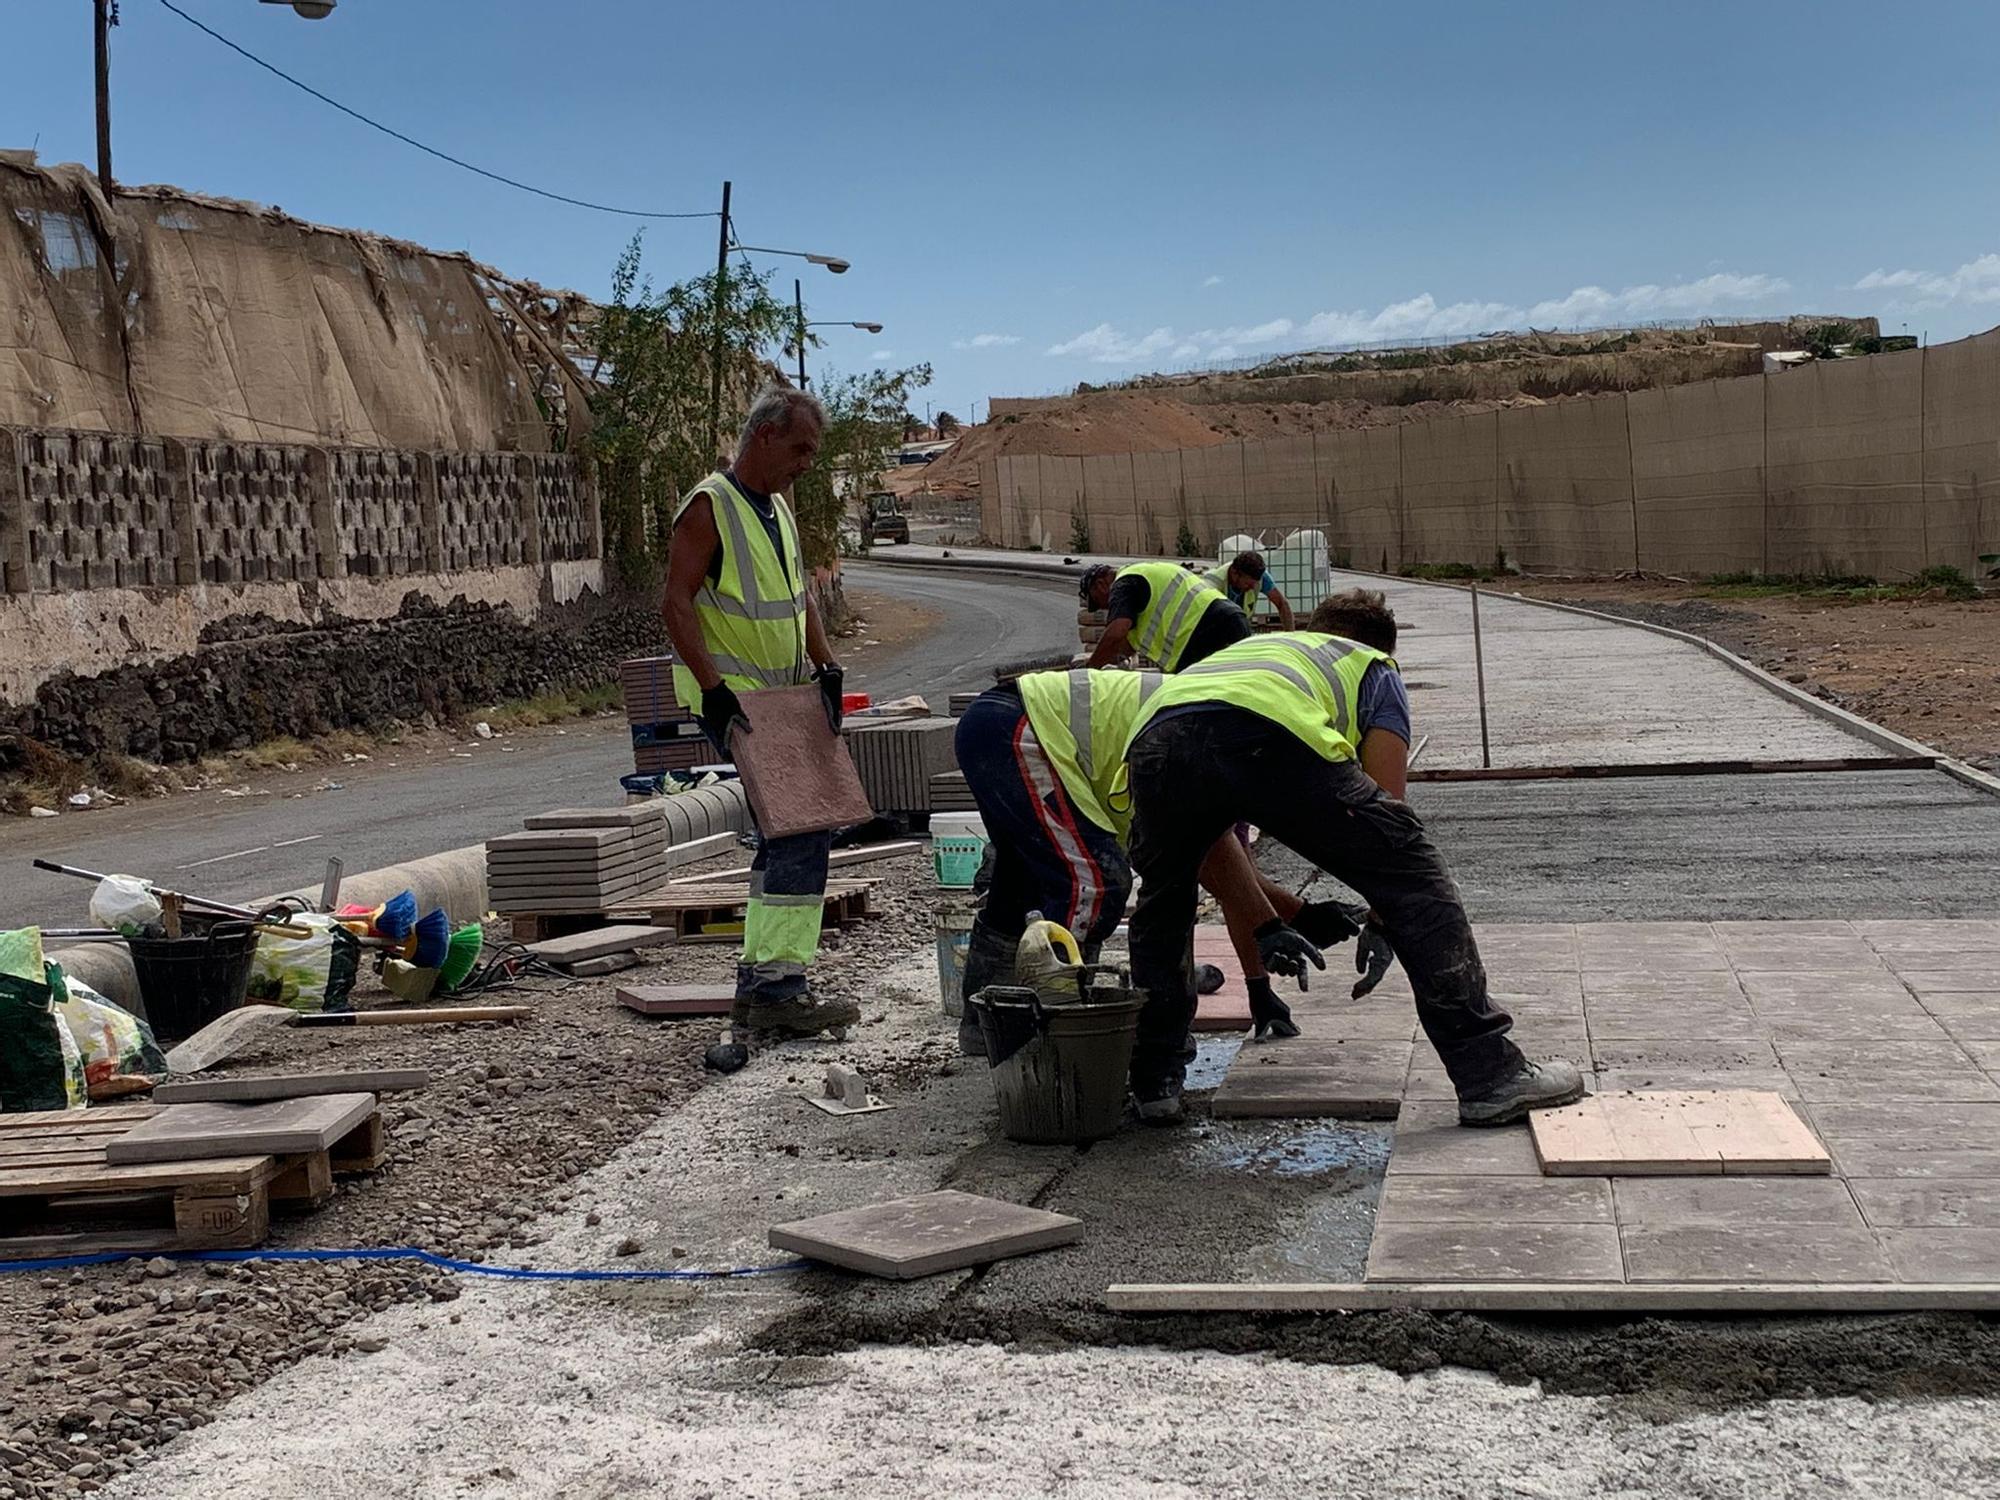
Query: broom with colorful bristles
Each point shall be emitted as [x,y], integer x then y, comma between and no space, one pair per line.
[461,953]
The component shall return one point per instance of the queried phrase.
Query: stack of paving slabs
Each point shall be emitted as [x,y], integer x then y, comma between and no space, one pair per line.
[897,761]
[949,793]
[665,736]
[578,859]
[958,703]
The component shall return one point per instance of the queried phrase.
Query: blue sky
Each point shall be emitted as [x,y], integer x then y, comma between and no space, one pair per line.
[1035,194]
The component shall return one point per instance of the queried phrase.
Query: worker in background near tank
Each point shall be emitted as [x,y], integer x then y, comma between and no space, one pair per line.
[1171,617]
[1042,756]
[1269,730]
[742,621]
[1245,577]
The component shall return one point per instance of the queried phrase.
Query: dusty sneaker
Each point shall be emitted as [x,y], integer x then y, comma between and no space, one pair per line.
[802,1015]
[1158,1103]
[1533,1085]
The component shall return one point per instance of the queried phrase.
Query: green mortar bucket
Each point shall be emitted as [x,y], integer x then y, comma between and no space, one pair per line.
[1059,1071]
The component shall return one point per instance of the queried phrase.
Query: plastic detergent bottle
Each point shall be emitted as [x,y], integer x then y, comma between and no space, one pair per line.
[1047,959]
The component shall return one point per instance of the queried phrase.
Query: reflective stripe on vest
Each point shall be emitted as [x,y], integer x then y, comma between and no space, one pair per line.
[1179,600]
[752,615]
[1083,719]
[1308,684]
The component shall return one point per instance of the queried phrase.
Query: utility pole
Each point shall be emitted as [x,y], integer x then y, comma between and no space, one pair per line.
[107,17]
[799,306]
[721,312]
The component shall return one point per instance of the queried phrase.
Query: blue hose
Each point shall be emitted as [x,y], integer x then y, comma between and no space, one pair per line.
[427,1257]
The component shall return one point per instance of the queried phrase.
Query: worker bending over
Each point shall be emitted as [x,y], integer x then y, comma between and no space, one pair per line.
[1041,755]
[741,621]
[1269,730]
[1170,616]
[1245,577]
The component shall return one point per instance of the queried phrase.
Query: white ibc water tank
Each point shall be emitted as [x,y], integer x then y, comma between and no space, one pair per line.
[1300,566]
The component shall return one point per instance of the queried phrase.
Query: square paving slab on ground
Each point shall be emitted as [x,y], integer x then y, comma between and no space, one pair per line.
[1676,1134]
[677,999]
[197,1132]
[922,1235]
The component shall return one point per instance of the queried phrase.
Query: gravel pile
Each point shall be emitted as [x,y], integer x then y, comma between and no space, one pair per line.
[99,1366]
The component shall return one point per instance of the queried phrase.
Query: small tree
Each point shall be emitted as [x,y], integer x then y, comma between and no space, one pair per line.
[1079,531]
[650,397]
[1186,543]
[865,415]
[946,422]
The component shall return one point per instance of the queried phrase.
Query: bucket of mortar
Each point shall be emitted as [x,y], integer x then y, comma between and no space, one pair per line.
[954,941]
[1059,1070]
[188,981]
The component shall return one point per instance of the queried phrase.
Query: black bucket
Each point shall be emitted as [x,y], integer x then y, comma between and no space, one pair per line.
[1059,1070]
[188,981]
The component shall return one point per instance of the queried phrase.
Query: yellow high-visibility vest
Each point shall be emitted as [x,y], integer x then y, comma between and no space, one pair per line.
[1083,720]
[1306,683]
[753,616]
[1178,601]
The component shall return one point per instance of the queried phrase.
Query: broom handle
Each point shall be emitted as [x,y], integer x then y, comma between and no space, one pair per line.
[203,902]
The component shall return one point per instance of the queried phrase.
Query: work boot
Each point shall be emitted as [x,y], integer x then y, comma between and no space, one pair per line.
[803,1014]
[989,960]
[1532,1085]
[1158,1101]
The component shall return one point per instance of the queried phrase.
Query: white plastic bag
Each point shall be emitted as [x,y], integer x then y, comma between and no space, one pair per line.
[125,904]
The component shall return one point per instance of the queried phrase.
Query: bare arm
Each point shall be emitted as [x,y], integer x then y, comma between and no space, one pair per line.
[817,646]
[1112,645]
[1284,608]
[1386,759]
[694,543]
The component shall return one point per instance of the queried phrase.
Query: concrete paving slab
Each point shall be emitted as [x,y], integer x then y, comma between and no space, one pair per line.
[256,1088]
[599,941]
[1959,1086]
[1942,1255]
[1902,1156]
[1675,1134]
[1940,983]
[1487,1200]
[1969,1004]
[1653,1020]
[631,815]
[1721,1202]
[1309,1093]
[200,1132]
[1751,1253]
[1430,1141]
[1687,1053]
[927,1233]
[677,999]
[1975,1124]
[1770,1080]
[1872,986]
[1874,1059]
[1906,1203]
[1495,1252]
[1306,1052]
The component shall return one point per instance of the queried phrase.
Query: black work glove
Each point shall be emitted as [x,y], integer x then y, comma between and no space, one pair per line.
[1268,1014]
[830,678]
[722,710]
[1326,923]
[1372,957]
[1283,951]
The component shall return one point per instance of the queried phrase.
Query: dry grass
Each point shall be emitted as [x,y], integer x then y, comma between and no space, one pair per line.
[554,708]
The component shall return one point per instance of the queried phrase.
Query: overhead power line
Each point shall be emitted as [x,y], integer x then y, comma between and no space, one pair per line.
[603,208]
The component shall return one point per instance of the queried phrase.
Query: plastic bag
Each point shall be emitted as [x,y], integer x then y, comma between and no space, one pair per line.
[117,1049]
[125,904]
[310,974]
[41,1066]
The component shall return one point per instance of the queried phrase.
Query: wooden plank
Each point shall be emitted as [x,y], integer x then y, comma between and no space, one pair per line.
[1678,768]
[65,1119]
[187,1132]
[839,859]
[263,1086]
[1553,1297]
[233,1174]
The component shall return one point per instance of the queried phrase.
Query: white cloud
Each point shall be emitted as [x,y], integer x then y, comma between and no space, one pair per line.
[987,341]
[883,356]
[1975,281]
[1213,281]
[1423,316]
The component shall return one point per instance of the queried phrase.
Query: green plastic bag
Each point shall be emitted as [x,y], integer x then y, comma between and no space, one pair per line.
[41,1066]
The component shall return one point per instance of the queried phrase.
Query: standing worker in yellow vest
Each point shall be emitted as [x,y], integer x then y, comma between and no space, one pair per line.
[1267,730]
[742,621]
[1170,616]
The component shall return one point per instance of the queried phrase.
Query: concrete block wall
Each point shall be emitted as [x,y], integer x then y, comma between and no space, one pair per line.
[88,510]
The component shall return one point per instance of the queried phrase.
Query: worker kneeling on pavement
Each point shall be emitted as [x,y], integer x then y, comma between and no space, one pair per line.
[1266,730]
[1170,616]
[1042,756]
[742,621]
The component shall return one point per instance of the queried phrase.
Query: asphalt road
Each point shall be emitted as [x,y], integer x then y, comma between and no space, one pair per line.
[404,804]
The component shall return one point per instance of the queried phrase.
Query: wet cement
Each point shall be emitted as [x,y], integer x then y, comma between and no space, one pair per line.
[1239,1201]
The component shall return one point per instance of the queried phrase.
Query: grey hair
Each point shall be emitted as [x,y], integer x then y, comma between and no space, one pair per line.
[775,406]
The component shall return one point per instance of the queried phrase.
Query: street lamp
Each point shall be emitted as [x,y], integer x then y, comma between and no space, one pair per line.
[799,309]
[832,262]
[107,17]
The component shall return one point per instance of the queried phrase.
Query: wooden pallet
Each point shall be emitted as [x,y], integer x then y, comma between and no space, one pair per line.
[698,913]
[54,1180]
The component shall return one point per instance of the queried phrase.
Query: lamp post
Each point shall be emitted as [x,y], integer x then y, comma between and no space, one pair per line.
[799,309]
[106,18]
[833,263]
